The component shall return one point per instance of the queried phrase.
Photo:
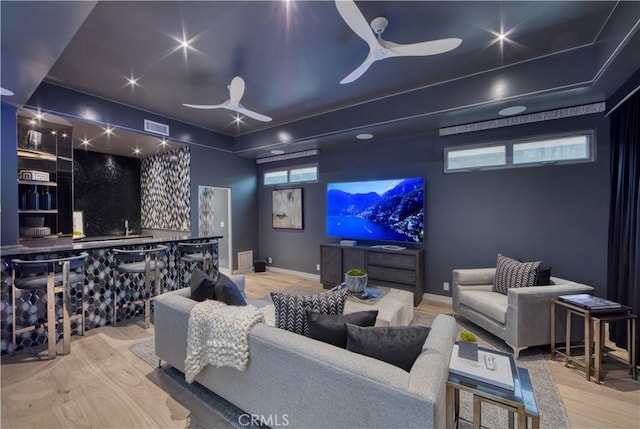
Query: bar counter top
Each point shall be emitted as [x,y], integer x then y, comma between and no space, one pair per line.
[90,243]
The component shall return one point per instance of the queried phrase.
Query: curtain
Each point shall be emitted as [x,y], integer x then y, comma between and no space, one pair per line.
[623,266]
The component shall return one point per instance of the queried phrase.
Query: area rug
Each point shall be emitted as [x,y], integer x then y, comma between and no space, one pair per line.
[550,407]
[231,414]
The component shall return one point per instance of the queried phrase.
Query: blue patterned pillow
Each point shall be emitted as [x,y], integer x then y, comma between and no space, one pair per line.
[511,273]
[291,310]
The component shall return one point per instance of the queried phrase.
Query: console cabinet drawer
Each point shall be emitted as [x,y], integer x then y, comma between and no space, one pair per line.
[407,262]
[391,274]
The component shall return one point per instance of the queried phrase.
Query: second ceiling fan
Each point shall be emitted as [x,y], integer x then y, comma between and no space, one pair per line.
[379,49]
[236,91]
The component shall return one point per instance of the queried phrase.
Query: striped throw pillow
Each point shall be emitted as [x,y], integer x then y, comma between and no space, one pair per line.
[511,273]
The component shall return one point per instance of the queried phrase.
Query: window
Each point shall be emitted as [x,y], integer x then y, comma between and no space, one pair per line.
[559,149]
[567,148]
[294,175]
[275,177]
[468,159]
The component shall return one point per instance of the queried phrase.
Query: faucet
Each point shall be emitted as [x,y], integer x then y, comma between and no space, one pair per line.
[127,231]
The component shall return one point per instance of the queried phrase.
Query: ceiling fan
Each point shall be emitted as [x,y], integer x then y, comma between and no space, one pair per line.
[379,49]
[236,91]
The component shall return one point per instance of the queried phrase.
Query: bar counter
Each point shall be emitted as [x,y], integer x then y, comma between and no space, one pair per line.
[97,288]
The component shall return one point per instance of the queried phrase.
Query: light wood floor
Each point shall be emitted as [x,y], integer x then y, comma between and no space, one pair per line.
[101,384]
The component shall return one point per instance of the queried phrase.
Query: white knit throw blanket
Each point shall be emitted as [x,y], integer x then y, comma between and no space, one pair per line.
[219,335]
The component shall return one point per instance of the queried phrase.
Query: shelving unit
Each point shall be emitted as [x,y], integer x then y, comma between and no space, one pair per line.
[41,148]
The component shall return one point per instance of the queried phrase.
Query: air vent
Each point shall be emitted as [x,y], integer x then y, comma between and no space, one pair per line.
[156,127]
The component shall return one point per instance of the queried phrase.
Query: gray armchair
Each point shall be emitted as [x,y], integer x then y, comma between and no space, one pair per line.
[522,318]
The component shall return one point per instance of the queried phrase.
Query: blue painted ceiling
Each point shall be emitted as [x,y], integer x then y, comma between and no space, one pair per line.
[292,56]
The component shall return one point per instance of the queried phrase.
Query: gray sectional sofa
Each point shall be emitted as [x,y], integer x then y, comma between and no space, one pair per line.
[522,318]
[312,384]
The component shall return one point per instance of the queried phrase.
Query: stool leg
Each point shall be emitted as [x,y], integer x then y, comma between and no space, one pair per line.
[13,309]
[82,304]
[66,321]
[116,277]
[147,291]
[51,316]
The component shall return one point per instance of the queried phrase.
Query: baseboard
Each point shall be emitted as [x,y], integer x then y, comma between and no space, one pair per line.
[243,270]
[438,298]
[295,273]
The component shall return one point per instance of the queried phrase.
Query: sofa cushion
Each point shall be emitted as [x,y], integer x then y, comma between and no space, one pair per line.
[227,291]
[202,286]
[511,273]
[397,345]
[331,329]
[291,309]
[491,304]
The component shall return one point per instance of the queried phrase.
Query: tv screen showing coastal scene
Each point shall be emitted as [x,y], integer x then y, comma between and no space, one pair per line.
[377,210]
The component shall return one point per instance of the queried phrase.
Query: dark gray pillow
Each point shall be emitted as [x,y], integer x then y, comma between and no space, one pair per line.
[228,292]
[331,329]
[544,276]
[397,345]
[202,286]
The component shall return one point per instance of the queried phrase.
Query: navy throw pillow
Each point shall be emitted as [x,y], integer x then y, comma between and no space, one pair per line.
[228,292]
[202,286]
[331,329]
[397,345]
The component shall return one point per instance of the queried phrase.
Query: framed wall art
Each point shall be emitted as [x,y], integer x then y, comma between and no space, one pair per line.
[287,208]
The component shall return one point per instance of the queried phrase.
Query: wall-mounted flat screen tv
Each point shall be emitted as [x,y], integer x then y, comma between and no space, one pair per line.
[377,210]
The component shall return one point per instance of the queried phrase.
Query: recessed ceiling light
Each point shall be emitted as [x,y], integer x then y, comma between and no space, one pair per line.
[277,152]
[132,81]
[284,137]
[64,135]
[39,116]
[137,151]
[53,132]
[364,136]
[513,110]
[85,142]
[108,130]
[164,142]
[185,44]
[5,92]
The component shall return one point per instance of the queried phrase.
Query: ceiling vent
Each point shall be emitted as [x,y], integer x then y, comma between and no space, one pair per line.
[156,127]
[293,155]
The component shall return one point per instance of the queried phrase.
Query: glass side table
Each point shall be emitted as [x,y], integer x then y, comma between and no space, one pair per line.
[521,401]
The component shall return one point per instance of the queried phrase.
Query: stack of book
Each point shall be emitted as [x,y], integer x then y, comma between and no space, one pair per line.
[590,302]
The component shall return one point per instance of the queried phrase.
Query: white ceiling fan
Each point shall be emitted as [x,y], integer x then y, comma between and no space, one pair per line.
[236,91]
[379,49]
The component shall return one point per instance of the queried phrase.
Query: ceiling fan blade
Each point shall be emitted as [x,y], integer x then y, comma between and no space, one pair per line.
[250,113]
[208,106]
[236,90]
[432,47]
[356,21]
[359,71]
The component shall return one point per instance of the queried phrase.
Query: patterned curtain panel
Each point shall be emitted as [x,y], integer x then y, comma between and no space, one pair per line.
[165,181]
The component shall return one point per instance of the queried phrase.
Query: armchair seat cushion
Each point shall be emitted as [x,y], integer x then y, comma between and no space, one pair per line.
[491,304]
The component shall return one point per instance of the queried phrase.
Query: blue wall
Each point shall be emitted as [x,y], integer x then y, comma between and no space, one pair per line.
[9,176]
[556,213]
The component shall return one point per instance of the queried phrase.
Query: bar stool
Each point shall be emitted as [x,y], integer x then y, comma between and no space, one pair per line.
[202,253]
[55,276]
[139,261]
